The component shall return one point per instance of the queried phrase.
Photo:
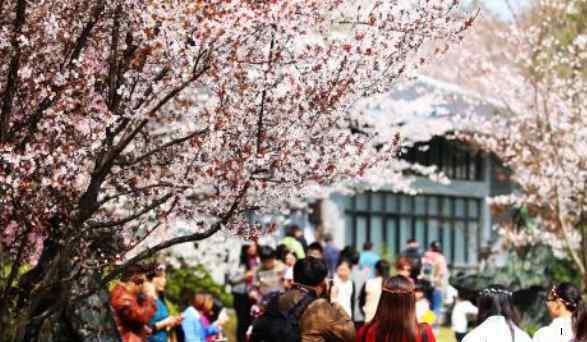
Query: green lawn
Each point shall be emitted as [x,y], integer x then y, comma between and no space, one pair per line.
[446,335]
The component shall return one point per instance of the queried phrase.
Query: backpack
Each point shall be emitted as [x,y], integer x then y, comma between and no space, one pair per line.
[428,271]
[274,325]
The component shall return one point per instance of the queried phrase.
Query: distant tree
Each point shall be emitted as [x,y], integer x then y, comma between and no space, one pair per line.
[533,71]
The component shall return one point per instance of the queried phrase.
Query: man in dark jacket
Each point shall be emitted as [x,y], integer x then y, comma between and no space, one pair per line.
[415,254]
[318,319]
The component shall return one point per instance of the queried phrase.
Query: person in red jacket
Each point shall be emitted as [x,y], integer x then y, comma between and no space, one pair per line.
[132,307]
[395,318]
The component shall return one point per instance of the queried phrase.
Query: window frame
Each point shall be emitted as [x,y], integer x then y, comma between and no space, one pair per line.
[444,221]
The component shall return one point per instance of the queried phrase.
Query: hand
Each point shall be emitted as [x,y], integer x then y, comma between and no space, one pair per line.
[178,320]
[333,294]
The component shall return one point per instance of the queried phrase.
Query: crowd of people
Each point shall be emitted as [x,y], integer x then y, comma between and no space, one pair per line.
[142,313]
[319,292]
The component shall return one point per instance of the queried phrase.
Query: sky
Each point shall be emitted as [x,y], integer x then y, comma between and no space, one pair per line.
[500,8]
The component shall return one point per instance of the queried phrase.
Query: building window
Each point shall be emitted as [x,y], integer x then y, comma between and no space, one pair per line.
[388,220]
[453,158]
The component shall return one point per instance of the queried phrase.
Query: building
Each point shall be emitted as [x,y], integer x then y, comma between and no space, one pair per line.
[456,214]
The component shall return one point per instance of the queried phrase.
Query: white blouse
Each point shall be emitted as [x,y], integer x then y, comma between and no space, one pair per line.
[560,330]
[494,329]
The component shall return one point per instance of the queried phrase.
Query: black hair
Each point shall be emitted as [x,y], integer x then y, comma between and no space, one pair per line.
[412,241]
[243,256]
[292,229]
[316,246]
[281,252]
[310,271]
[382,268]
[350,253]
[132,270]
[368,245]
[568,294]
[435,246]
[153,270]
[496,300]
[266,253]
[580,323]
[328,237]
[344,261]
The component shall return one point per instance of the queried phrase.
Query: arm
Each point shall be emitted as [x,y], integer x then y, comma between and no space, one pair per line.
[325,322]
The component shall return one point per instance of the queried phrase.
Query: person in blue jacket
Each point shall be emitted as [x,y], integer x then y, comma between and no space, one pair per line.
[195,325]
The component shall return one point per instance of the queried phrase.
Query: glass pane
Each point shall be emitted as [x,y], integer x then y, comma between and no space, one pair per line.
[447,242]
[433,234]
[392,203]
[347,202]
[446,207]
[421,231]
[361,201]
[377,233]
[420,202]
[460,207]
[460,243]
[406,207]
[448,162]
[473,208]
[405,232]
[473,252]
[377,201]
[433,205]
[461,165]
[473,167]
[348,230]
[361,231]
[391,228]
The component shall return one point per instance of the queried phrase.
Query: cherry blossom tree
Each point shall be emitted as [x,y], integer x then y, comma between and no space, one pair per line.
[535,75]
[118,117]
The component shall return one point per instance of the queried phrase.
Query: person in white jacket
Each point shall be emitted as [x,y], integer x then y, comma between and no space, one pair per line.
[562,301]
[496,318]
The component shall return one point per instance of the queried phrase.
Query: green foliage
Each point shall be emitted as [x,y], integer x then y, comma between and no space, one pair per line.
[533,266]
[183,282]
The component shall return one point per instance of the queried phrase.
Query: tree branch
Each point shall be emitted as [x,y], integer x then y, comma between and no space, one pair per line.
[12,79]
[113,72]
[161,148]
[128,219]
[134,191]
[182,239]
[263,96]
[85,34]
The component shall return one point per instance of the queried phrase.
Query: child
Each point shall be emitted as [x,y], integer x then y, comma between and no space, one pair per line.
[343,290]
[423,312]
[460,316]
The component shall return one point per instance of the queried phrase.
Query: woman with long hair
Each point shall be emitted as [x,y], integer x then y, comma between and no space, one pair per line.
[162,322]
[395,318]
[562,301]
[497,318]
[580,323]
[242,280]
